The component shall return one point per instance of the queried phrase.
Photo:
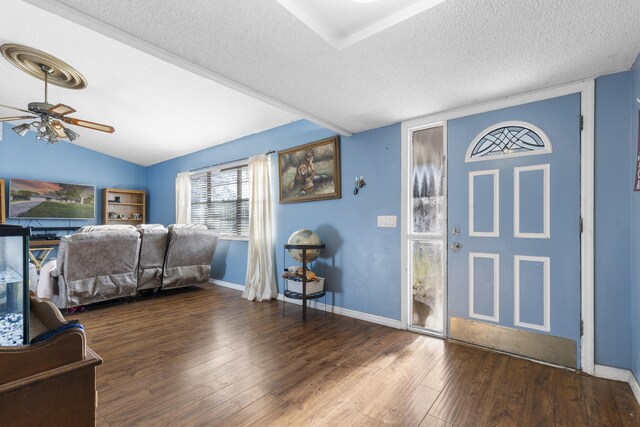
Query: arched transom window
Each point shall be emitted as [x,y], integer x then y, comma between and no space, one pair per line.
[508,139]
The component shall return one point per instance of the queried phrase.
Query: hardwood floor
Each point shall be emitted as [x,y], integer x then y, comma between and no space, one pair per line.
[208,357]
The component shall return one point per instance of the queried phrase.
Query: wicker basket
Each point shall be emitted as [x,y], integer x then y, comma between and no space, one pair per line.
[312,287]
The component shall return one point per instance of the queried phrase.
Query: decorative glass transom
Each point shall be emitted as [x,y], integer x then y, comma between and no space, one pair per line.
[509,139]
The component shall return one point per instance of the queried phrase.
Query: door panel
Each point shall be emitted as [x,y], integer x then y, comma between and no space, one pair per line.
[484,286]
[531,188]
[517,205]
[484,202]
[532,305]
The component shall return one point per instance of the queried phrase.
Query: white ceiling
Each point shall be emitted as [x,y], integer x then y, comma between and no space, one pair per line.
[345,22]
[458,53]
[159,110]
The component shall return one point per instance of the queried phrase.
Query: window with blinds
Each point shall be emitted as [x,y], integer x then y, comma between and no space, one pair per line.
[220,200]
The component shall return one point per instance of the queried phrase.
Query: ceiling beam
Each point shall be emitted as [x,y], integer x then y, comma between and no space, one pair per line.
[105,29]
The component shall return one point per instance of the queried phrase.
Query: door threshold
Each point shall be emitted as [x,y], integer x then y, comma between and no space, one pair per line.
[517,356]
[426,332]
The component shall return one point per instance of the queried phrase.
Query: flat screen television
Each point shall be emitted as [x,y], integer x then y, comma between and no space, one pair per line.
[51,200]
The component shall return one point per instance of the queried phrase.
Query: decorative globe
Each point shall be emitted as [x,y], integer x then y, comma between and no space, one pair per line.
[304,236]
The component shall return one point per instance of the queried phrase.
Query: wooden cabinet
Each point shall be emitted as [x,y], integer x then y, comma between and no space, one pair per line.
[3,202]
[121,206]
[52,382]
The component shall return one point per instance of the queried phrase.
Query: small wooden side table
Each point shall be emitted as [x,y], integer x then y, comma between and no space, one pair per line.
[39,256]
[39,250]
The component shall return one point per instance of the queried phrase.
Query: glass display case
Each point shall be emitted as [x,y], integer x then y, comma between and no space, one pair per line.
[14,285]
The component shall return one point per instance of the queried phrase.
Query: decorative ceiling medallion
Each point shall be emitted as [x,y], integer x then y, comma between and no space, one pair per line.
[508,139]
[30,60]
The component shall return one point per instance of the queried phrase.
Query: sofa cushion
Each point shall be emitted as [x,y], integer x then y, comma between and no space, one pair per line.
[108,227]
[188,226]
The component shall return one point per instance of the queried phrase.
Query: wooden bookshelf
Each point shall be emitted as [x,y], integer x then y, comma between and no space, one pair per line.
[123,203]
[3,202]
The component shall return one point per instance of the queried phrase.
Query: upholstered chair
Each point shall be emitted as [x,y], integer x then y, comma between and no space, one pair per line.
[153,246]
[190,250]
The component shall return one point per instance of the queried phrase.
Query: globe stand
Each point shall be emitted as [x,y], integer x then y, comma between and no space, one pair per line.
[304,296]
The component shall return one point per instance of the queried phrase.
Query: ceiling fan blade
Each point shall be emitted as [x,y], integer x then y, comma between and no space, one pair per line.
[10,119]
[17,109]
[61,110]
[89,125]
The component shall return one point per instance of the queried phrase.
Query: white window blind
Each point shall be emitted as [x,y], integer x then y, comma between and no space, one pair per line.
[220,200]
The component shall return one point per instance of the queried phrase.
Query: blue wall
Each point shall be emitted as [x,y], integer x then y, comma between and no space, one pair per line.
[364,261]
[635,227]
[23,157]
[612,222]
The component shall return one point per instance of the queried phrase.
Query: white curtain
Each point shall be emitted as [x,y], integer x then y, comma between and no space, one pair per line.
[183,198]
[261,282]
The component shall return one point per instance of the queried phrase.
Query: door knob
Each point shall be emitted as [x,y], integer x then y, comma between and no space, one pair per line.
[456,246]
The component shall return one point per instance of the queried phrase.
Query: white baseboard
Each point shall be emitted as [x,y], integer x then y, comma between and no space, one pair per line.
[618,374]
[367,317]
[610,373]
[635,387]
[227,284]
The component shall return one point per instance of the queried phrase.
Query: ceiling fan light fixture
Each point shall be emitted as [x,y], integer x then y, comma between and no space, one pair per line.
[43,66]
[21,129]
[71,134]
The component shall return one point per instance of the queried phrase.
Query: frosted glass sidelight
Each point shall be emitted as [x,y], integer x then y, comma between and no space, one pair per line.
[427,176]
[427,285]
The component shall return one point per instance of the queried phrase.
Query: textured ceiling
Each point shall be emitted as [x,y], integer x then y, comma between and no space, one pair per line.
[458,53]
[343,23]
[160,111]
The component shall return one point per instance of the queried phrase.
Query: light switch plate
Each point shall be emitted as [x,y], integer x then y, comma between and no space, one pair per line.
[387,221]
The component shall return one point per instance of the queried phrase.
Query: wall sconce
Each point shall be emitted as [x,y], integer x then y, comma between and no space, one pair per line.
[359,184]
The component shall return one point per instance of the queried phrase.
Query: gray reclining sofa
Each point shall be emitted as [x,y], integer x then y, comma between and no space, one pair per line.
[100,263]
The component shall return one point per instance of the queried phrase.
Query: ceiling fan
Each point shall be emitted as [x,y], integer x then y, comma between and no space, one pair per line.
[47,120]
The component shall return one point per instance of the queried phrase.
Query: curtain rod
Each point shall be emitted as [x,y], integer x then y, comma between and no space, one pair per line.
[231,161]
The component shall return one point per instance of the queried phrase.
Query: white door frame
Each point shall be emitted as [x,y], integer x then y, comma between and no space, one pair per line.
[586,89]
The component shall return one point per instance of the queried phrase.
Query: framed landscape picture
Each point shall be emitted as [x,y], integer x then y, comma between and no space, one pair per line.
[310,172]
